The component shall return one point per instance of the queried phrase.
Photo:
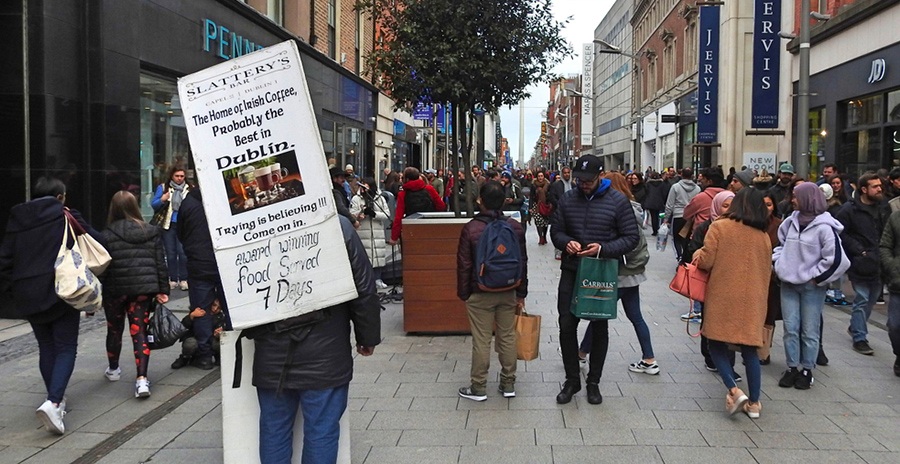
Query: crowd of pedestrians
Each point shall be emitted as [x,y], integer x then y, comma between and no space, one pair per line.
[780,242]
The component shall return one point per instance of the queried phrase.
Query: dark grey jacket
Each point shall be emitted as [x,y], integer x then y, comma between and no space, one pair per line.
[606,217]
[320,356]
[138,264]
[861,237]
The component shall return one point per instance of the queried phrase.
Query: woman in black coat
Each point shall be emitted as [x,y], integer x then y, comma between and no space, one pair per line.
[136,276]
[655,201]
[30,247]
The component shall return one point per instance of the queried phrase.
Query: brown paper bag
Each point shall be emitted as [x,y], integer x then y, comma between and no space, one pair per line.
[768,334]
[528,336]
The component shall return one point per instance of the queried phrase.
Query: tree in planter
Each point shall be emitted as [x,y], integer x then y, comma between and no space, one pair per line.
[466,53]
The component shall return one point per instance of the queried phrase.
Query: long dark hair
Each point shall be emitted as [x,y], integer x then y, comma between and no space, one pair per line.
[124,206]
[748,208]
[842,195]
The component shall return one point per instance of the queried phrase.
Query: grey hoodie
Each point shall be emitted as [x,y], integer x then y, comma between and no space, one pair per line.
[679,196]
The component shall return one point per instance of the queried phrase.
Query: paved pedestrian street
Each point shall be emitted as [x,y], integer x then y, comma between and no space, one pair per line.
[404,406]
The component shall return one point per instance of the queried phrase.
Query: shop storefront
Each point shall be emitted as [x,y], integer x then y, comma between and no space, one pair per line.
[854,116]
[104,113]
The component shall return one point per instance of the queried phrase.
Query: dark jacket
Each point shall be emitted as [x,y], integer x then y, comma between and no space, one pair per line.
[466,284]
[514,192]
[861,237]
[320,356]
[138,264]
[557,190]
[27,256]
[657,192]
[640,193]
[341,202]
[889,251]
[193,232]
[779,191]
[605,217]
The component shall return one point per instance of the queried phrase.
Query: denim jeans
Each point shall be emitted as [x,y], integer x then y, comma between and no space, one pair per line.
[568,334]
[719,352]
[866,296]
[58,346]
[801,309]
[176,260]
[201,293]
[893,322]
[322,411]
[631,302]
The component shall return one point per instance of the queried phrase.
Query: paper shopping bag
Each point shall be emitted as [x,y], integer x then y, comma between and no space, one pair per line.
[596,289]
[528,336]
[768,335]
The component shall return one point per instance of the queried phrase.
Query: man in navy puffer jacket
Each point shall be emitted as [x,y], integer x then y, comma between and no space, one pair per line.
[591,219]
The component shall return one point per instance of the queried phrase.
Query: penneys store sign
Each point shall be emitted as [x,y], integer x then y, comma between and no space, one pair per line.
[708,88]
[766,64]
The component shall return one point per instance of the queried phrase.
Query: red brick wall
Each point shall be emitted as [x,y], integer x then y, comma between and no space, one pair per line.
[832,8]
[675,23]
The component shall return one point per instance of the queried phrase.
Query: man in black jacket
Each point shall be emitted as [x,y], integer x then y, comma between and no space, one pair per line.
[593,219]
[204,282]
[310,367]
[864,219]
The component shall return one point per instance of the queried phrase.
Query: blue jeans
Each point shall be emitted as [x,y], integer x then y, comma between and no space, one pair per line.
[58,346]
[801,309]
[719,353]
[631,303]
[176,260]
[893,322]
[201,293]
[322,411]
[866,296]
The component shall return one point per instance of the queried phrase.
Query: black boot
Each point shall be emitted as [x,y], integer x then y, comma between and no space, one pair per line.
[593,393]
[569,389]
[181,361]
[821,359]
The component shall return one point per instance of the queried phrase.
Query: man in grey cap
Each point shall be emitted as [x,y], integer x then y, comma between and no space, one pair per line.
[741,179]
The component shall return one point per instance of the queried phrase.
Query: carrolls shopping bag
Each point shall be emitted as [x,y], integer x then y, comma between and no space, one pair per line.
[528,336]
[596,288]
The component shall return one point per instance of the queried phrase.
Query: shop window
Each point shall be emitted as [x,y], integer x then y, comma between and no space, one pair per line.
[861,151]
[864,111]
[275,11]
[164,140]
[892,142]
[332,29]
[893,106]
[817,135]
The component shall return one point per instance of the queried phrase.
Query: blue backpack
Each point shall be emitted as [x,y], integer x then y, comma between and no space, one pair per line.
[498,259]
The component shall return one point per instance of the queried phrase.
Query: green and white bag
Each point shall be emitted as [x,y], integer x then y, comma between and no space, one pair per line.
[596,291]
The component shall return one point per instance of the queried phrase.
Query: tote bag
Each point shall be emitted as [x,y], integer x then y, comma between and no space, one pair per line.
[528,336]
[159,217]
[94,254]
[75,283]
[596,289]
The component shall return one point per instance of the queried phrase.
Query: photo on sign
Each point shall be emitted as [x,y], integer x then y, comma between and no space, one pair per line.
[264,182]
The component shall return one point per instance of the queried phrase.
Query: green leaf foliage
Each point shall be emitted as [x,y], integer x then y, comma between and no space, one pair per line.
[467,52]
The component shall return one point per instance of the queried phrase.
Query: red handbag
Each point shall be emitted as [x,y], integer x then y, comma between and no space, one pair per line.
[690,281]
[545,209]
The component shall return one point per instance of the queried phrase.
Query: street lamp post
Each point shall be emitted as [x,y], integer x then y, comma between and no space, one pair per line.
[565,144]
[608,48]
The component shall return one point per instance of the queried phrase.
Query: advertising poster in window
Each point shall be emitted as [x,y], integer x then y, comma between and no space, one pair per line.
[266,190]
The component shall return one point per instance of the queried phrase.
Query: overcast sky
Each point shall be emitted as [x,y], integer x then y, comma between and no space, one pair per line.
[586,15]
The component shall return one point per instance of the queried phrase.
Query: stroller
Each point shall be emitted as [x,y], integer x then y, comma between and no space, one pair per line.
[392,274]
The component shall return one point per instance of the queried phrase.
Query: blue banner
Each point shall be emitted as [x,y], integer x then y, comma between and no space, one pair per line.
[766,64]
[422,112]
[708,87]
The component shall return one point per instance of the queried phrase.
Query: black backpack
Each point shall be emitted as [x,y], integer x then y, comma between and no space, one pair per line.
[417,201]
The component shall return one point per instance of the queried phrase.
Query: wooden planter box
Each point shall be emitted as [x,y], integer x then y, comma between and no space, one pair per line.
[430,304]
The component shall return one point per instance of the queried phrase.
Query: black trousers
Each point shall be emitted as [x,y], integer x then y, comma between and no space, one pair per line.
[568,335]
[654,219]
[677,240]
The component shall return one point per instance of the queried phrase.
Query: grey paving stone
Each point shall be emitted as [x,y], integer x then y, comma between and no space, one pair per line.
[365,377]
[796,423]
[887,438]
[387,404]
[597,416]
[366,366]
[695,455]
[605,454]
[538,402]
[395,378]
[875,457]
[410,455]
[506,437]
[55,456]
[781,440]
[870,409]
[435,404]
[515,419]
[195,440]
[505,454]
[375,437]
[559,437]
[664,390]
[703,420]
[413,367]
[657,437]
[840,441]
[356,404]
[781,456]
[426,438]
[189,456]
[359,452]
[360,420]
[495,401]
[667,404]
[374,390]
[727,439]
[418,420]
[415,356]
[17,453]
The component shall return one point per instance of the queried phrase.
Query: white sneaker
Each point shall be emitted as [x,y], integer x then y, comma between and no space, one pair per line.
[172,284]
[113,375]
[52,417]
[142,388]
[62,406]
[183,285]
[380,284]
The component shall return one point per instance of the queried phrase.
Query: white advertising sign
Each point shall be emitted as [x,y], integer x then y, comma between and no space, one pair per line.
[266,190]
[760,161]
[587,85]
